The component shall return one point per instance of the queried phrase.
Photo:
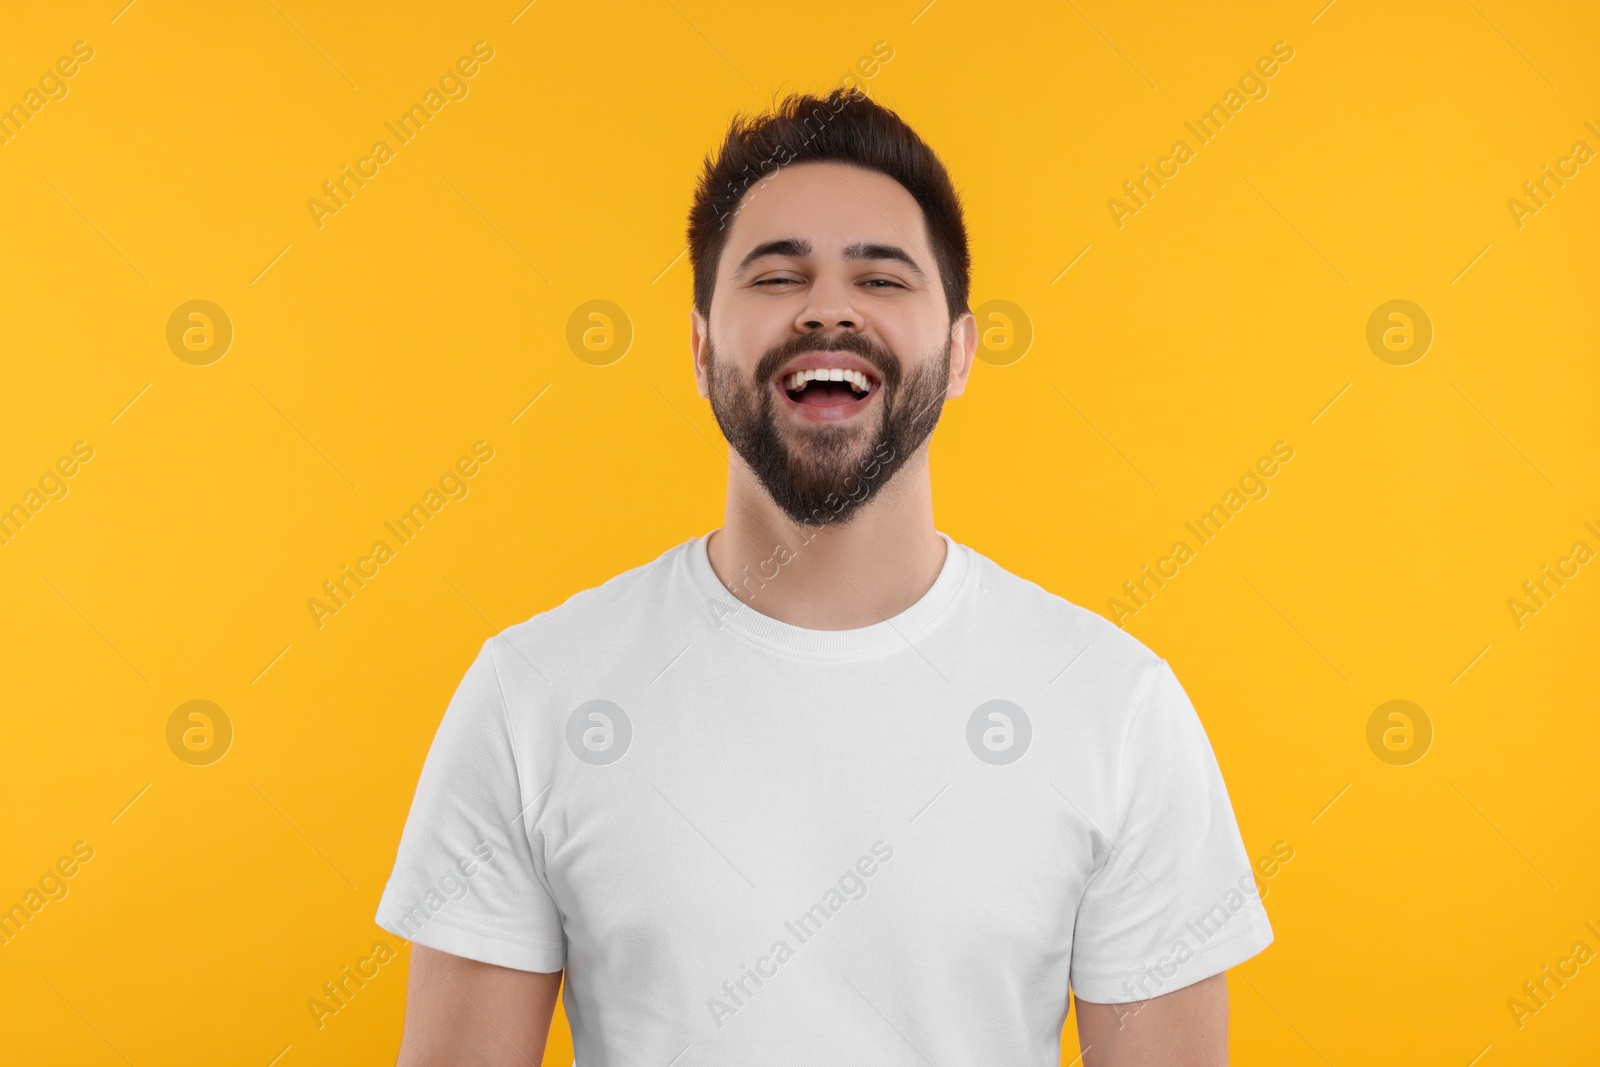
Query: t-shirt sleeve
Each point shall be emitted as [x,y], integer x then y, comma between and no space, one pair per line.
[467,879]
[1175,900]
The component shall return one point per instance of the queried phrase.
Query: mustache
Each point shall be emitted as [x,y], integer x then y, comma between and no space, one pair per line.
[882,360]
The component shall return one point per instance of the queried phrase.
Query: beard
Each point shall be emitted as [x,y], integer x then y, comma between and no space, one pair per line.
[824,474]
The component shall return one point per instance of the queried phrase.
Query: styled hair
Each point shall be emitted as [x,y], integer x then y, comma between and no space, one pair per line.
[846,126]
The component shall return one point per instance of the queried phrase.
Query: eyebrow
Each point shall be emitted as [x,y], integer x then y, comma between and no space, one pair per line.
[800,248]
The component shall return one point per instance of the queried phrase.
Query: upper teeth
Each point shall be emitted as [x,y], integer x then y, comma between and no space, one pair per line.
[799,378]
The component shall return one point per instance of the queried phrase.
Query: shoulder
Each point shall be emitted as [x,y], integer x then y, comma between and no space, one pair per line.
[1090,678]
[593,623]
[1050,624]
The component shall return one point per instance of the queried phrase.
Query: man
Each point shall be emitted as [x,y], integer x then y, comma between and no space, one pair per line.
[822,785]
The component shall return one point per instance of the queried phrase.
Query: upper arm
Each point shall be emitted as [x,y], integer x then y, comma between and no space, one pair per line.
[468,891]
[468,876]
[1185,1028]
[461,1011]
[1175,900]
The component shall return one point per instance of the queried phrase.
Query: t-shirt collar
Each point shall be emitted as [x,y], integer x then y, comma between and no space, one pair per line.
[743,618]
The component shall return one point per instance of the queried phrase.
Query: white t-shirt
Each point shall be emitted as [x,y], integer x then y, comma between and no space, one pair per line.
[749,842]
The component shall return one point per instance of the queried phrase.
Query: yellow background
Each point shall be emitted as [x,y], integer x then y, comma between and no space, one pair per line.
[426,315]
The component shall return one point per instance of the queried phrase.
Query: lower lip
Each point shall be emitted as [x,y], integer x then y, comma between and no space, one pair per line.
[826,412]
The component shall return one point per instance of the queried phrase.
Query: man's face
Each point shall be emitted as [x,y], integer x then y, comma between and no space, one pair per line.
[827,270]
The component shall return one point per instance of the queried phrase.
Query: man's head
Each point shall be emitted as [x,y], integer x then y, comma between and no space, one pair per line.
[827,237]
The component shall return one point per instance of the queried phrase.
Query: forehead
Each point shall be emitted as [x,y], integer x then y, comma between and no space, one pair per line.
[831,205]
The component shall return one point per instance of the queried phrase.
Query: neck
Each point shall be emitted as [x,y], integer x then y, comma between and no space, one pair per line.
[830,577]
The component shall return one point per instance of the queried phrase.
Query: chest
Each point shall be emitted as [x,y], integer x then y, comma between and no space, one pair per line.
[734,824]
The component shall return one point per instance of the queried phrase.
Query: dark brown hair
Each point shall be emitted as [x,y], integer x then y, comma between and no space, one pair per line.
[846,126]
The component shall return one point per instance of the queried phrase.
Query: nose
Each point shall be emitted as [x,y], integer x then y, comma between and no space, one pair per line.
[829,308]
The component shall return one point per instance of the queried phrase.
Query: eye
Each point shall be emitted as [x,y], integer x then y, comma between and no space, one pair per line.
[885,281]
[773,281]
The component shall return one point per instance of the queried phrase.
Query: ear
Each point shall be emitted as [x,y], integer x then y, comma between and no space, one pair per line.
[699,334]
[963,348]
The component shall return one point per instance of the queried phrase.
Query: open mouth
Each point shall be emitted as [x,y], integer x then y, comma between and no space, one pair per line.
[828,388]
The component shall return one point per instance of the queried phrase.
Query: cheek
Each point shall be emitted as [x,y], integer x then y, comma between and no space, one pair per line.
[914,330]
[740,343]
[914,346]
